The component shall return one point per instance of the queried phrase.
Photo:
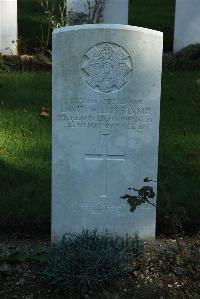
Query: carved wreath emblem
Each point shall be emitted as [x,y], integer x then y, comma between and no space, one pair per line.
[106,67]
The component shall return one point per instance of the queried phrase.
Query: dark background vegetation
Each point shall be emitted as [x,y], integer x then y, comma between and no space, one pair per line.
[154,14]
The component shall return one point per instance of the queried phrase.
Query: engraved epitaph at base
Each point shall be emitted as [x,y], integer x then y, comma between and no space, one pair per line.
[106,105]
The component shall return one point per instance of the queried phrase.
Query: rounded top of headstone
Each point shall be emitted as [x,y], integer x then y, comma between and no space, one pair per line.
[107,26]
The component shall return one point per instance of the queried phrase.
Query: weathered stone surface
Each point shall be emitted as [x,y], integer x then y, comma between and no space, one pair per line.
[187,23]
[106,106]
[8,27]
[115,11]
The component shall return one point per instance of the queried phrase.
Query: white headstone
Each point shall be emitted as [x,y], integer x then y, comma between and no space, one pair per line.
[115,11]
[8,27]
[106,106]
[187,23]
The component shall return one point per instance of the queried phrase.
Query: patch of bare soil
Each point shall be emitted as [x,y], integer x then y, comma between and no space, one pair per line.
[166,269]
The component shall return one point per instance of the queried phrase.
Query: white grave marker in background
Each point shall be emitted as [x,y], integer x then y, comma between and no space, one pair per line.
[187,23]
[115,11]
[106,107]
[8,27]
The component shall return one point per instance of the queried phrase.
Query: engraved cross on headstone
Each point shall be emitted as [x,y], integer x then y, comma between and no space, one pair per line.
[105,156]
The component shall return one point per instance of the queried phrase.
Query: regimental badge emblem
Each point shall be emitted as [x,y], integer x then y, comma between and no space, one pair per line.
[106,67]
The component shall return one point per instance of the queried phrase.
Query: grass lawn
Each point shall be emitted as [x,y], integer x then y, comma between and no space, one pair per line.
[25,147]
[179,153]
[153,14]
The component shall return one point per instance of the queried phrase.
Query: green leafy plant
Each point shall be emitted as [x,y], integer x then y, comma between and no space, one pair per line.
[87,262]
[57,16]
[144,195]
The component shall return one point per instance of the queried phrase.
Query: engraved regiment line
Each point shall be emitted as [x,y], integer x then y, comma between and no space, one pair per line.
[105,157]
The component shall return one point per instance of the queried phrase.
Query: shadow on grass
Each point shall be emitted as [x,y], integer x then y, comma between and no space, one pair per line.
[179,150]
[24,200]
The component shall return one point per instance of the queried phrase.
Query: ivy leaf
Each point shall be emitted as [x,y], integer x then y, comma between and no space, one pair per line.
[133,201]
[132,209]
[143,196]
